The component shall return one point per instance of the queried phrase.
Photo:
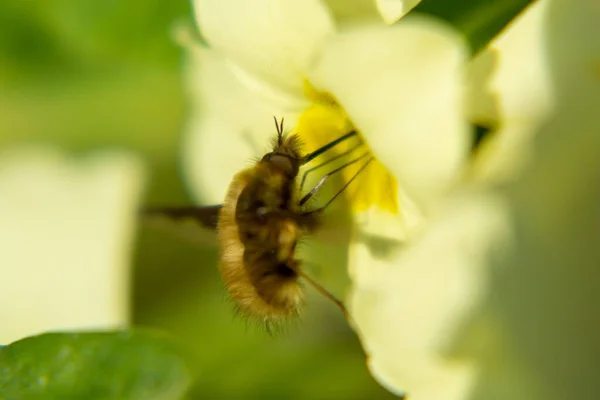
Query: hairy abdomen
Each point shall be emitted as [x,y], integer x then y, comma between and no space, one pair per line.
[263,283]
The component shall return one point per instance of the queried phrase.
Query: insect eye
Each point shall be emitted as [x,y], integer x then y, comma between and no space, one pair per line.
[267,157]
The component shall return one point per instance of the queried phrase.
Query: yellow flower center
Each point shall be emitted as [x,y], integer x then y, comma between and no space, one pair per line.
[324,121]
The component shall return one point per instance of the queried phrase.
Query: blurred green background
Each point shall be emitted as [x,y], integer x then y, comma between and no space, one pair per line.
[88,76]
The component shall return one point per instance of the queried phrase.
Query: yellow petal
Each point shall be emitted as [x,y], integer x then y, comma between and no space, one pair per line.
[325,121]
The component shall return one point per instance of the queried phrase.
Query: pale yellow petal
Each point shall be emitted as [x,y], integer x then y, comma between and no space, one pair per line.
[510,91]
[352,12]
[66,240]
[392,10]
[401,225]
[401,86]
[409,300]
[229,126]
[546,300]
[519,81]
[273,40]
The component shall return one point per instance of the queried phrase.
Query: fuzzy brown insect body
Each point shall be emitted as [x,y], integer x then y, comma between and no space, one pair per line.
[259,227]
[260,224]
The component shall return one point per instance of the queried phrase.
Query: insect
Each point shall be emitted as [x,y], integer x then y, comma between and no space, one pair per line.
[260,222]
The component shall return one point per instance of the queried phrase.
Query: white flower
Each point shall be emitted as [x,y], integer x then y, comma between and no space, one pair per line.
[410,306]
[401,88]
[493,296]
[409,302]
[326,77]
[65,240]
[545,296]
[496,298]
[511,93]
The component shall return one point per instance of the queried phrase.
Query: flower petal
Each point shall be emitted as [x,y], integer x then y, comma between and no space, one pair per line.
[392,10]
[351,12]
[546,302]
[408,302]
[401,86]
[520,77]
[66,235]
[510,91]
[229,125]
[271,39]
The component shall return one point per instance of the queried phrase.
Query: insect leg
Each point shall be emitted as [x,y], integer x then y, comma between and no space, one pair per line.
[309,157]
[326,293]
[316,188]
[322,208]
[304,176]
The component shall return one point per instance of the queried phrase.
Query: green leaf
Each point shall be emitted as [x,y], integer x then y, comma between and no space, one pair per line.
[94,365]
[479,20]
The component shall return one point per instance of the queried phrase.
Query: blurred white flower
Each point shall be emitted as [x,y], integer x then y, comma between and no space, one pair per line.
[497,298]
[65,240]
[409,303]
[542,319]
[510,92]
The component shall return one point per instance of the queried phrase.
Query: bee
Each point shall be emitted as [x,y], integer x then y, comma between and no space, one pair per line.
[259,224]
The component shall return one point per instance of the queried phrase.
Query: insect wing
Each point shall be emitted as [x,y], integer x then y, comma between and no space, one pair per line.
[194,224]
